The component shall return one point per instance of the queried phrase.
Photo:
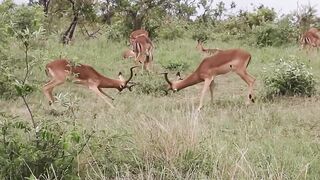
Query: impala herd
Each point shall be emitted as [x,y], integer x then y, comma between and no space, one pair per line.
[218,62]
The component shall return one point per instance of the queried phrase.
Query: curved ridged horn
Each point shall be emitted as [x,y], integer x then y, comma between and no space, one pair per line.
[131,74]
[167,79]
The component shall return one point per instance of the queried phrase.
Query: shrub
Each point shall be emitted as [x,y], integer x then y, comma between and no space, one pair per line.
[27,17]
[275,34]
[173,30]
[116,31]
[175,65]
[201,31]
[50,152]
[7,90]
[288,77]
[150,85]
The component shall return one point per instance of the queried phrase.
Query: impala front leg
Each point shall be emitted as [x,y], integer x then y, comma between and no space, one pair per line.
[48,88]
[250,82]
[99,93]
[205,88]
[106,94]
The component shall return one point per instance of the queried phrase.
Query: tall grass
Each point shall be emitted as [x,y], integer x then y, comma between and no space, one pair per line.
[163,137]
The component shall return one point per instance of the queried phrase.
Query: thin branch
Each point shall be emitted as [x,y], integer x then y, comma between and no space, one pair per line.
[30,112]
[26,61]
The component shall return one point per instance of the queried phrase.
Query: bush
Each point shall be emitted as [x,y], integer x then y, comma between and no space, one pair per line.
[7,90]
[116,31]
[175,65]
[276,34]
[150,85]
[27,17]
[173,30]
[291,78]
[50,152]
[202,31]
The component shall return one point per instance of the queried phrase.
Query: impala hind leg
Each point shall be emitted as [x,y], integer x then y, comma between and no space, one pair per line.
[250,81]
[48,88]
[212,84]
[99,93]
[205,88]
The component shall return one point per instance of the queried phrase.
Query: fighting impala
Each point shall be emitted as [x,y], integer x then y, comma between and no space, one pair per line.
[225,61]
[59,70]
[206,50]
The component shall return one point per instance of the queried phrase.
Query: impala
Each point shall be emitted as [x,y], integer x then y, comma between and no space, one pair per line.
[310,38]
[128,54]
[206,50]
[235,60]
[143,48]
[59,70]
[137,33]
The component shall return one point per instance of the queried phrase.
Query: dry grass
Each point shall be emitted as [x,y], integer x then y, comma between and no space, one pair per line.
[268,140]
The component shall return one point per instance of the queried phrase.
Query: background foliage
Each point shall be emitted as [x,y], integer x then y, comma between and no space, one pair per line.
[151,135]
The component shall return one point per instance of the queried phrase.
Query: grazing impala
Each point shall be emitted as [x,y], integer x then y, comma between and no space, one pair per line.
[128,54]
[86,75]
[137,33]
[206,50]
[235,60]
[310,39]
[143,48]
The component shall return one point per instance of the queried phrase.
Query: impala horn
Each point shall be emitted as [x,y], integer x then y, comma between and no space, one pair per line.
[167,79]
[131,74]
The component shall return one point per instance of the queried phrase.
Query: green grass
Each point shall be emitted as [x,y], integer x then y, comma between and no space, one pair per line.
[163,137]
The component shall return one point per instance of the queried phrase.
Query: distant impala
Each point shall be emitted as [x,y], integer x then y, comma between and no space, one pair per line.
[137,33]
[310,39]
[206,50]
[143,49]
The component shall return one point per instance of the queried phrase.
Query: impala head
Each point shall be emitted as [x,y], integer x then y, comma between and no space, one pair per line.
[199,45]
[171,85]
[126,83]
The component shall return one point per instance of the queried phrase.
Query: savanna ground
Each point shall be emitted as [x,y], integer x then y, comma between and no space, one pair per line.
[163,137]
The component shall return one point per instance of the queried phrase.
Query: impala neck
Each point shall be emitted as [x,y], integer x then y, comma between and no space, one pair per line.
[203,49]
[110,83]
[189,81]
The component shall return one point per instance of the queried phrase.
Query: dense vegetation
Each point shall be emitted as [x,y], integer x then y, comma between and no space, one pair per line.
[151,135]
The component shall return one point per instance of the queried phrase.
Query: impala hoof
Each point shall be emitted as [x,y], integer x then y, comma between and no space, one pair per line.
[251,98]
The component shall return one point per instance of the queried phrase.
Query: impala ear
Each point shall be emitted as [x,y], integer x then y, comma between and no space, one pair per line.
[120,76]
[178,76]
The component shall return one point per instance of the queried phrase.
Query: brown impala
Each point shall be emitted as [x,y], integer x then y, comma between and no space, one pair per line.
[206,50]
[137,33]
[86,75]
[143,49]
[310,39]
[225,61]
